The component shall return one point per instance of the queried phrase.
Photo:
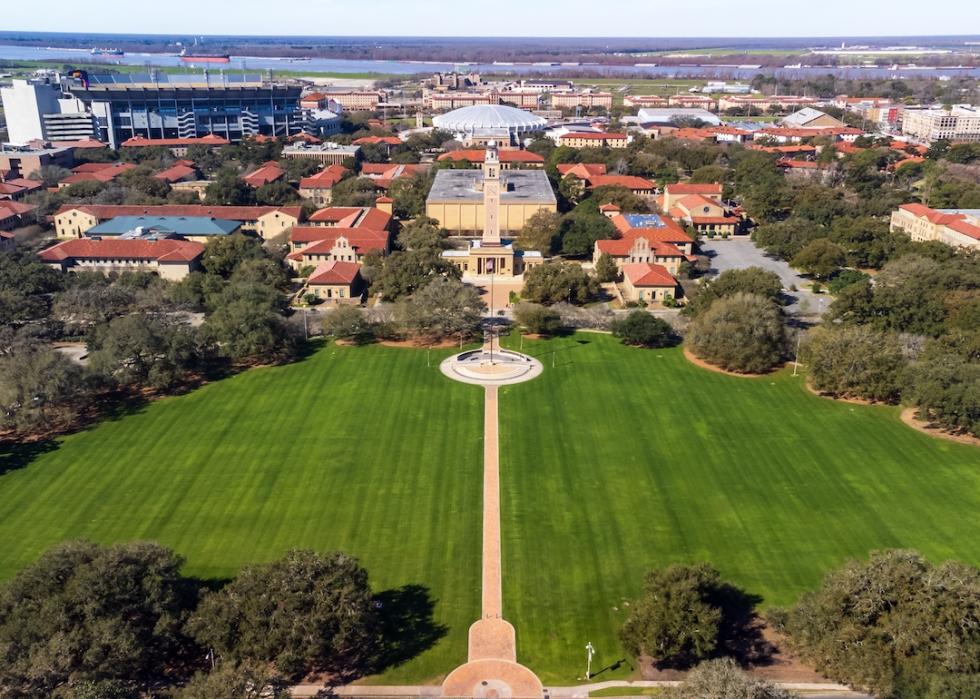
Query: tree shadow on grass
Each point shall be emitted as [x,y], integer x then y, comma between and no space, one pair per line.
[740,633]
[406,626]
[17,455]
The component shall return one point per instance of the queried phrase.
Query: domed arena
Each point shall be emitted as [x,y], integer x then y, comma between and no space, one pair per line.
[484,122]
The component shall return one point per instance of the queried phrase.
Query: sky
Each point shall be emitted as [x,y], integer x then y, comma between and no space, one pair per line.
[646,18]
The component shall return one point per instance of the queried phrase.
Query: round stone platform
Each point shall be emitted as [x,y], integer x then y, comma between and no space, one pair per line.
[498,368]
[493,679]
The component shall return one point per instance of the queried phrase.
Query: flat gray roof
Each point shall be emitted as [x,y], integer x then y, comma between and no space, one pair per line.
[531,186]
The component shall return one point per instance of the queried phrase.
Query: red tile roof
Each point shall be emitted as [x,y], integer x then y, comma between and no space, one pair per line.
[620,247]
[686,188]
[912,159]
[266,174]
[19,185]
[609,207]
[103,212]
[104,174]
[627,181]
[176,173]
[209,140]
[17,208]
[325,179]
[376,140]
[648,275]
[478,155]
[592,136]
[335,272]
[324,237]
[582,170]
[92,167]
[967,229]
[353,217]
[165,250]
[670,233]
[382,174]
[81,145]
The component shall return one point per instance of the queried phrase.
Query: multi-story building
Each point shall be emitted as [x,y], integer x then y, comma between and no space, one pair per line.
[328,153]
[443,101]
[37,110]
[519,97]
[586,99]
[767,102]
[600,139]
[956,227]
[171,259]
[693,102]
[187,106]
[25,161]
[75,220]
[357,100]
[457,199]
[959,123]
[645,101]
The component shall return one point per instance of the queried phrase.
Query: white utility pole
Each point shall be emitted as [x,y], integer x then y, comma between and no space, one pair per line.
[589,651]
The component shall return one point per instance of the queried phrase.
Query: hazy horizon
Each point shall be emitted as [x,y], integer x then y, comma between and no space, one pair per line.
[763,19]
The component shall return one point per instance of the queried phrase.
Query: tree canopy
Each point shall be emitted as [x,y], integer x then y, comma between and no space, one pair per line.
[84,613]
[644,330]
[554,282]
[895,624]
[304,612]
[676,621]
[742,333]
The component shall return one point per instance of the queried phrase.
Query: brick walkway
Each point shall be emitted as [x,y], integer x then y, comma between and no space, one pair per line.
[491,670]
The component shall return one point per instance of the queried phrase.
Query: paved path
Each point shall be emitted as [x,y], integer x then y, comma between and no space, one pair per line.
[742,253]
[491,670]
[492,596]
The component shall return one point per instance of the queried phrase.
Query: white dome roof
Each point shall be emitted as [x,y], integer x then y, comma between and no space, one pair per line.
[489,117]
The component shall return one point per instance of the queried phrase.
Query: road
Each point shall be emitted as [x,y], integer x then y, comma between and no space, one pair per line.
[739,254]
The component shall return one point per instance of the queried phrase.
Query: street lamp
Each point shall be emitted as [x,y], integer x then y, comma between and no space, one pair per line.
[589,652]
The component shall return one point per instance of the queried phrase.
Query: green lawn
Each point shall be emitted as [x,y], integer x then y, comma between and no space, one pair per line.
[365,450]
[613,461]
[620,459]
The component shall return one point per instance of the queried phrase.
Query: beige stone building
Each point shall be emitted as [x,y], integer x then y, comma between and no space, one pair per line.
[170,258]
[74,220]
[318,188]
[956,227]
[336,283]
[456,199]
[592,139]
[961,123]
[491,255]
[586,99]
[352,100]
[648,283]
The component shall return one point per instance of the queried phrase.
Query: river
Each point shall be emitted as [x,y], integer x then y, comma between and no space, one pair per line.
[339,65]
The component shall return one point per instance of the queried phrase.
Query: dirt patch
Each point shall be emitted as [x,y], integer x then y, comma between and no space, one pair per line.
[847,399]
[909,418]
[697,361]
[418,343]
[776,662]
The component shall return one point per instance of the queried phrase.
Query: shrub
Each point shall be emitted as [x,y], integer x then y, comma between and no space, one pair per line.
[644,330]
[538,319]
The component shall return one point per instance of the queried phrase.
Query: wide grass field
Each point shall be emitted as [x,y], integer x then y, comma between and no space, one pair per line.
[365,450]
[621,459]
[615,460]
